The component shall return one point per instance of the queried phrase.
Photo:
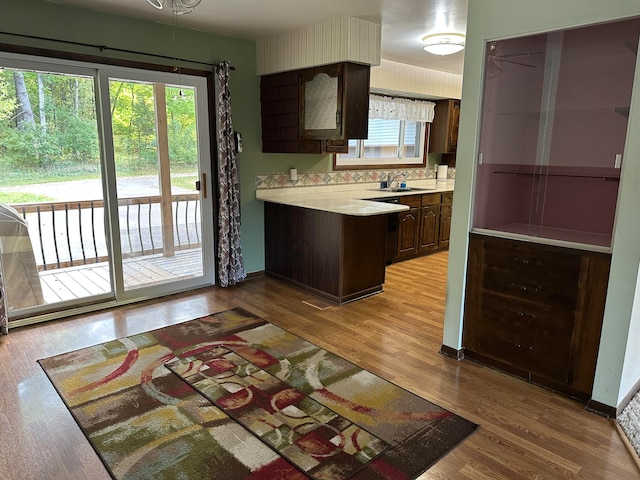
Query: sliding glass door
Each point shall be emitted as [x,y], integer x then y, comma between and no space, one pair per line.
[104,185]
[160,171]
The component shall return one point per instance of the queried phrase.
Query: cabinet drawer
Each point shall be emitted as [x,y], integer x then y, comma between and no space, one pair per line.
[533,287]
[534,260]
[541,321]
[430,199]
[412,200]
[548,357]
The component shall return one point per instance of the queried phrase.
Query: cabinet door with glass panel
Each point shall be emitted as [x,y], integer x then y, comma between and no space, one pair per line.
[334,102]
[553,130]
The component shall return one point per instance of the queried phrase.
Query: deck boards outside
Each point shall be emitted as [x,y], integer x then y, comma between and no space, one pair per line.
[86,280]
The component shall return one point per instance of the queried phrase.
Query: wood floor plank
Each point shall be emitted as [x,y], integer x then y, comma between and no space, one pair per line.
[526,432]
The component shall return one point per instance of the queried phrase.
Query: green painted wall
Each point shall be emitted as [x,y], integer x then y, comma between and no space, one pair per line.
[49,20]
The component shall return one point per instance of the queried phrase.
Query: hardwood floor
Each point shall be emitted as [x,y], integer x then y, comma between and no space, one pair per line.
[526,432]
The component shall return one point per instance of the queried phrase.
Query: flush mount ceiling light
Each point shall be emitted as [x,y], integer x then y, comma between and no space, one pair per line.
[179,6]
[443,43]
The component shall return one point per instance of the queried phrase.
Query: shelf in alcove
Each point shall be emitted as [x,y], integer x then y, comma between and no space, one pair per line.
[592,241]
[558,171]
[624,111]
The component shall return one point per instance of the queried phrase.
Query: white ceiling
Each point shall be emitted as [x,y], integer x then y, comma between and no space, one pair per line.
[404,22]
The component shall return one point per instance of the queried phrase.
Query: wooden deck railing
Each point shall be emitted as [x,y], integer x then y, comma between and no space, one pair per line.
[65,234]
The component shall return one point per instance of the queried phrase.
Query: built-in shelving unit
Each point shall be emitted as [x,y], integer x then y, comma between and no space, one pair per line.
[555,113]
[554,124]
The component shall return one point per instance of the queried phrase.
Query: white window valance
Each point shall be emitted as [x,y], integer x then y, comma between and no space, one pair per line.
[396,108]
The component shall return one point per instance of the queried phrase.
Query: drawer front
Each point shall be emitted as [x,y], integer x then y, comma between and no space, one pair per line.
[541,321]
[531,272]
[447,198]
[430,199]
[534,288]
[531,259]
[547,357]
[412,200]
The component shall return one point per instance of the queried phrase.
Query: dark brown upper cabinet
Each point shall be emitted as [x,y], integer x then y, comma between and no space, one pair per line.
[334,102]
[315,110]
[443,136]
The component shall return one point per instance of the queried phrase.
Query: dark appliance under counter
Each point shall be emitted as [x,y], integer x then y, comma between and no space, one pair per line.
[392,230]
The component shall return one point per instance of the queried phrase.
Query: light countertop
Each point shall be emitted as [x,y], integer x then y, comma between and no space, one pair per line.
[350,199]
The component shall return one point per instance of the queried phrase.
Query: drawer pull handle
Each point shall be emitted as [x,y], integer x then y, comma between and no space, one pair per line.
[524,288]
[527,261]
[523,346]
[524,314]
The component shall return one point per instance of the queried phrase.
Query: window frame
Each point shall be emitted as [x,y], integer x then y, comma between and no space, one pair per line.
[367,163]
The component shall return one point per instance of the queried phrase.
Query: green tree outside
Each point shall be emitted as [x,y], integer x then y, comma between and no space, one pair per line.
[62,142]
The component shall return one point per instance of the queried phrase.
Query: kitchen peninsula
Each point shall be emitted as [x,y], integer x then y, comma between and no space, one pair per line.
[332,240]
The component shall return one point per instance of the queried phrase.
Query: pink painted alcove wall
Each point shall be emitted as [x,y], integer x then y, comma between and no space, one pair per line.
[575,184]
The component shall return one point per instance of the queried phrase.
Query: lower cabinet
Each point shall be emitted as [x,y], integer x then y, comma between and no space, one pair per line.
[424,228]
[408,227]
[445,220]
[536,311]
[338,257]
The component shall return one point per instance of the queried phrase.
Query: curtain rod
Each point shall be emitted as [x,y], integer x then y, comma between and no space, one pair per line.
[105,47]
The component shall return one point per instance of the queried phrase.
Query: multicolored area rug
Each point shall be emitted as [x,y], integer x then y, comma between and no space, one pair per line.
[232,397]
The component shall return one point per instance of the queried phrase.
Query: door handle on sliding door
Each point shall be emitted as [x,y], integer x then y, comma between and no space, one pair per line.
[202,185]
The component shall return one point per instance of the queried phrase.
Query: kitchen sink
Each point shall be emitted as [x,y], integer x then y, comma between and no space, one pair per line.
[406,189]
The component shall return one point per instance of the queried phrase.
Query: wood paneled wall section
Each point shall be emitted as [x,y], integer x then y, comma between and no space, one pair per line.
[342,39]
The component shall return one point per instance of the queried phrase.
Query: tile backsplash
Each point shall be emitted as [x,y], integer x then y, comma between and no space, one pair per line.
[342,177]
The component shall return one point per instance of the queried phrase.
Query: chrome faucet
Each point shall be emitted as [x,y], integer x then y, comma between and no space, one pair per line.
[391,179]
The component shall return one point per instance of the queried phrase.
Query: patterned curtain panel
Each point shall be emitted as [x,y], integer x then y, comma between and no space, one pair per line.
[230,264]
[4,321]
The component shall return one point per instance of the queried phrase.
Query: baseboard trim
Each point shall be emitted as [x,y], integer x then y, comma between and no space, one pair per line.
[252,275]
[609,411]
[601,409]
[452,352]
[628,397]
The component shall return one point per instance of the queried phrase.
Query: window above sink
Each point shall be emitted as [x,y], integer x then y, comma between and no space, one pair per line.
[397,135]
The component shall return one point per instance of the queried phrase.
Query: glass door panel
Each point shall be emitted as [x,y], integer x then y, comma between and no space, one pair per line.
[98,197]
[52,221]
[554,123]
[156,154]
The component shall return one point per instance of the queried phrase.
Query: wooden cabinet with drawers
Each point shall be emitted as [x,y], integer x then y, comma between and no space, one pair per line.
[424,228]
[536,311]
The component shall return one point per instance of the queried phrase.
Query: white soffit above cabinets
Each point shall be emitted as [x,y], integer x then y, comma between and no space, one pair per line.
[344,39]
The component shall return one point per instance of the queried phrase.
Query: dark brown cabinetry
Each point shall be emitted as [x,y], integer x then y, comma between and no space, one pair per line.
[338,257]
[445,220]
[408,227]
[536,311]
[443,134]
[423,228]
[430,222]
[315,110]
